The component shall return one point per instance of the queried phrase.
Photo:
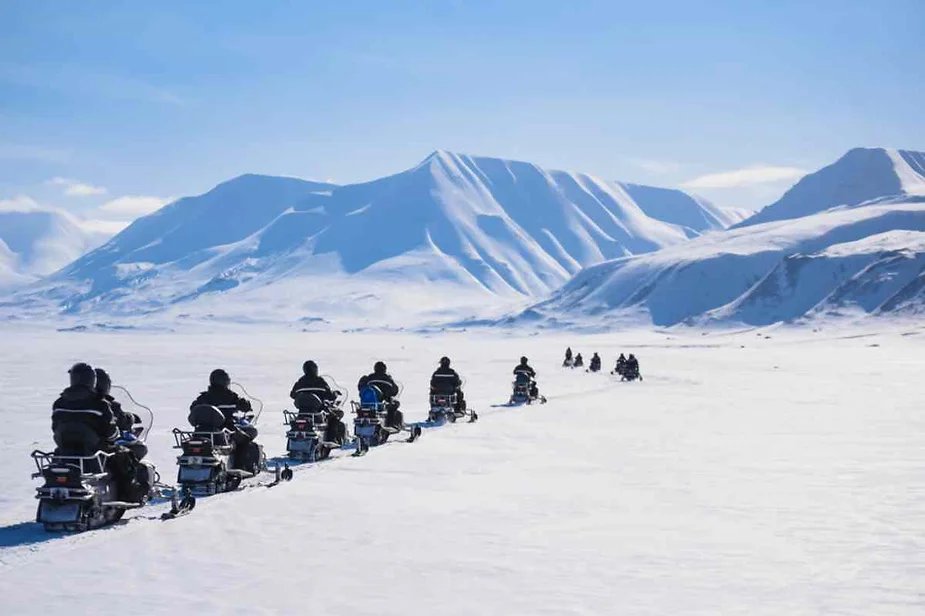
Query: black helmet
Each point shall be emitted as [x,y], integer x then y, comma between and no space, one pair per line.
[621,355]
[523,360]
[310,368]
[82,374]
[632,356]
[379,367]
[444,362]
[103,382]
[219,378]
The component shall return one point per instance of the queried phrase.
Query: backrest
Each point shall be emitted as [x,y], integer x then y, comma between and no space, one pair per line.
[308,402]
[370,397]
[206,417]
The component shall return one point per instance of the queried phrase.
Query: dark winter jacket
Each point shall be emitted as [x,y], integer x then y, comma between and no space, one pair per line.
[595,362]
[312,385]
[82,405]
[381,380]
[124,420]
[525,369]
[445,380]
[568,353]
[224,400]
[632,366]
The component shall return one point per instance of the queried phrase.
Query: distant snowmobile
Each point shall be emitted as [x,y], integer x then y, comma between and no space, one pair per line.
[631,369]
[525,391]
[621,365]
[209,462]
[595,365]
[307,438]
[444,407]
[370,427]
[579,361]
[567,362]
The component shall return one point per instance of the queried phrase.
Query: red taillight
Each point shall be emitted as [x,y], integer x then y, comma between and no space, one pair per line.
[196,449]
[61,479]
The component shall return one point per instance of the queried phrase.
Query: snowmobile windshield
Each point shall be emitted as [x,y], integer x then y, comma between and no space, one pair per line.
[344,395]
[143,416]
[247,395]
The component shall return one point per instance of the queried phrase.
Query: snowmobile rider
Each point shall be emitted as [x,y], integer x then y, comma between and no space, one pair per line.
[124,420]
[621,365]
[579,362]
[219,395]
[595,364]
[311,383]
[383,381]
[132,480]
[445,380]
[81,420]
[568,357]
[632,367]
[524,368]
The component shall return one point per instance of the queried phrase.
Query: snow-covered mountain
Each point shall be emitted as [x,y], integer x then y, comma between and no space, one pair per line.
[456,226]
[35,242]
[861,175]
[866,257]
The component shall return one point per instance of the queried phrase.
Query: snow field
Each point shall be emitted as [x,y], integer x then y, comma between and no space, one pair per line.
[784,477]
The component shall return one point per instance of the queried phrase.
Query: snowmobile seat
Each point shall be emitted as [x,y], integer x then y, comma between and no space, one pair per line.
[522,378]
[205,417]
[308,403]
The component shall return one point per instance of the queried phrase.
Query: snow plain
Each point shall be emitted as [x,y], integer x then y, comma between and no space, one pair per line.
[778,471]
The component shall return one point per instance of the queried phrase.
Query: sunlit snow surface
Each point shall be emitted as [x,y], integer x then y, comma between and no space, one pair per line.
[746,475]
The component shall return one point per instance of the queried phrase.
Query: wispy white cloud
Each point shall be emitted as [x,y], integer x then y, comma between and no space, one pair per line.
[747,176]
[75,188]
[659,167]
[134,206]
[104,227]
[20,203]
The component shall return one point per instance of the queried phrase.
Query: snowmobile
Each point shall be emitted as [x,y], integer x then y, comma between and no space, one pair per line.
[630,373]
[523,388]
[305,439]
[567,363]
[369,425]
[208,464]
[579,362]
[443,408]
[81,490]
[595,365]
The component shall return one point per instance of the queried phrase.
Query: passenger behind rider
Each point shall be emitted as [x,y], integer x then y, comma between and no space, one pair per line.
[311,384]
[388,389]
[446,381]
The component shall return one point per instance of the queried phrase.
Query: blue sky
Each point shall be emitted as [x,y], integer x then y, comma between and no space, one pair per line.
[102,103]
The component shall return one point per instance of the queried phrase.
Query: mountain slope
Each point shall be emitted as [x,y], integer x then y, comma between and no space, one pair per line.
[761,274]
[476,226]
[35,242]
[861,175]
